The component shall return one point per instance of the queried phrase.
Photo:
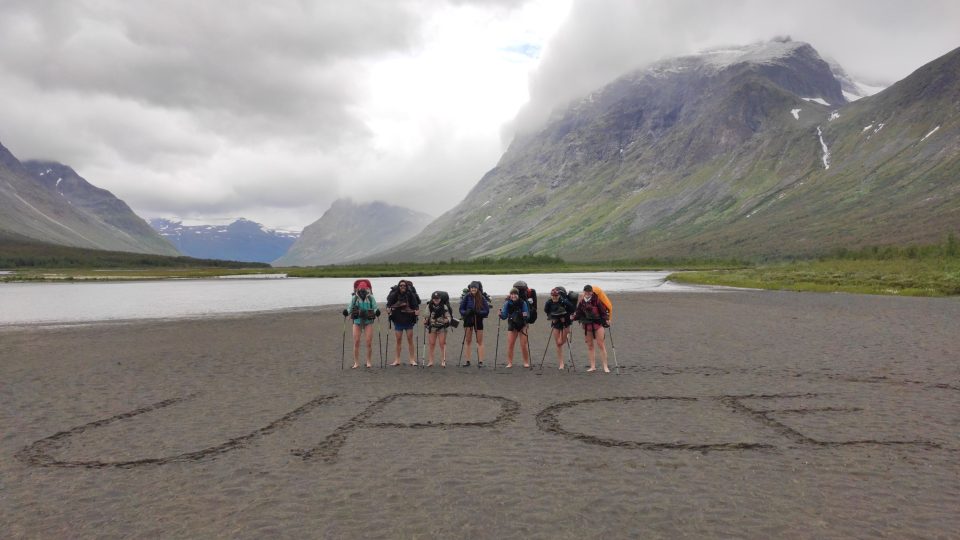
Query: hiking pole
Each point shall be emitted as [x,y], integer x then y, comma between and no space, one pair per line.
[610,333]
[462,341]
[570,351]
[386,347]
[423,359]
[544,350]
[343,341]
[380,342]
[496,350]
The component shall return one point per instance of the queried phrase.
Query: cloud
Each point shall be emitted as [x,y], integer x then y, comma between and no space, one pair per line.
[272,110]
[266,109]
[876,40]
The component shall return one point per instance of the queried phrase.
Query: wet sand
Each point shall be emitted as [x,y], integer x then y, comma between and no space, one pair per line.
[737,414]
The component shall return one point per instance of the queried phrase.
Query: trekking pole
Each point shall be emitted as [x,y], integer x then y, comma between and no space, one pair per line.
[570,351]
[343,341]
[609,333]
[545,349]
[423,359]
[386,347]
[380,343]
[496,350]
[462,341]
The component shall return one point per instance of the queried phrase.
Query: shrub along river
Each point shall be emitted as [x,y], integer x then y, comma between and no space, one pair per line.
[82,302]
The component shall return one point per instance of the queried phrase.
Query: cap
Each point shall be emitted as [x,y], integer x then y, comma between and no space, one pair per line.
[554,291]
[514,291]
[587,288]
[474,285]
[435,296]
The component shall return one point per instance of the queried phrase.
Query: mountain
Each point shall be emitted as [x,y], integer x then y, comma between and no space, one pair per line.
[745,151]
[349,231]
[242,240]
[49,202]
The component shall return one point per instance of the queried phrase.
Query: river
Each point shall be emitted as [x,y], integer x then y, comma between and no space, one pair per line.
[83,302]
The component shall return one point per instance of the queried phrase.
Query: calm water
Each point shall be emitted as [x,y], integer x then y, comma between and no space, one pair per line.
[32,303]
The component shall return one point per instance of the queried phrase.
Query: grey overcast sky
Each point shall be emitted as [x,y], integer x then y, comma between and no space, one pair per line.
[272,110]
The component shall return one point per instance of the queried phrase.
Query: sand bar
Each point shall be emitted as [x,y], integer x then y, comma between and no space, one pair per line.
[738,414]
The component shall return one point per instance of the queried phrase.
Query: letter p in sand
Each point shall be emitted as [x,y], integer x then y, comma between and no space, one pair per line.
[329,449]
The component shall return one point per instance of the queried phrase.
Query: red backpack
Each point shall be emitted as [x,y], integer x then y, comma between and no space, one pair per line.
[362,284]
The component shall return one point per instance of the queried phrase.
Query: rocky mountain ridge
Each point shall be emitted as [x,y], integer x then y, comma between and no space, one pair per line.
[350,231]
[751,151]
[49,202]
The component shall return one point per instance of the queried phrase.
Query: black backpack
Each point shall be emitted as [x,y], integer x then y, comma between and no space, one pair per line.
[531,294]
[445,301]
[486,297]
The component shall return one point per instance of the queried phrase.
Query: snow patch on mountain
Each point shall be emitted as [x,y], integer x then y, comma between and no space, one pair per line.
[816,100]
[934,130]
[796,113]
[826,151]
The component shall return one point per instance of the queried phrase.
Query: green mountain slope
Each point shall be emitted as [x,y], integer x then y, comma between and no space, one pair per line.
[48,202]
[720,154]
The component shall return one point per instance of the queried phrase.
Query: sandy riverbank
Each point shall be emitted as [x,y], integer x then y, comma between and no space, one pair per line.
[738,414]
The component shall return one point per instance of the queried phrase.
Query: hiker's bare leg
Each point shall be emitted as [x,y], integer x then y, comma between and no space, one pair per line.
[601,333]
[591,355]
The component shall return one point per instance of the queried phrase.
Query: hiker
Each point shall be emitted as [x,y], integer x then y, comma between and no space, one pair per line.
[403,309]
[558,309]
[474,308]
[516,313]
[593,315]
[437,321]
[364,312]
[530,297]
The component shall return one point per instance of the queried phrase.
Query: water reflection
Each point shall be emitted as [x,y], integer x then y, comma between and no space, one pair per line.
[30,303]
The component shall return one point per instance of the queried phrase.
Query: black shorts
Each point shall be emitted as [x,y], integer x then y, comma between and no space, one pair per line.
[473,322]
[515,327]
[560,324]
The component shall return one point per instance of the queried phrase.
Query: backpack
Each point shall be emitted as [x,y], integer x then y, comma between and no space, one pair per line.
[486,297]
[531,294]
[605,300]
[355,311]
[445,301]
[362,283]
[410,289]
[571,296]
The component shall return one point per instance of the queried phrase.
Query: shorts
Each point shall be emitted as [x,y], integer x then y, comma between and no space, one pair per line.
[399,327]
[437,330]
[477,323]
[591,328]
[560,324]
[514,327]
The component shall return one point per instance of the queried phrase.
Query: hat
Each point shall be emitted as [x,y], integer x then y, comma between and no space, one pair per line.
[514,291]
[474,285]
[520,284]
[554,291]
[435,295]
[587,288]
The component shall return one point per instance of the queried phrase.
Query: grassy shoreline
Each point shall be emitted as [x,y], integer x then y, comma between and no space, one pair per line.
[935,276]
[932,270]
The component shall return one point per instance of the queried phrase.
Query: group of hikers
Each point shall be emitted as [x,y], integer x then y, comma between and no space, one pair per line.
[591,308]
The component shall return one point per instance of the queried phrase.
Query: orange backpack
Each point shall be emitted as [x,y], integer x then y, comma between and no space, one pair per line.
[605,300]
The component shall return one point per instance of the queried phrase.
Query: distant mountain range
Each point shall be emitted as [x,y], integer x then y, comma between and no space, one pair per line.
[744,151]
[241,240]
[349,231]
[49,202]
